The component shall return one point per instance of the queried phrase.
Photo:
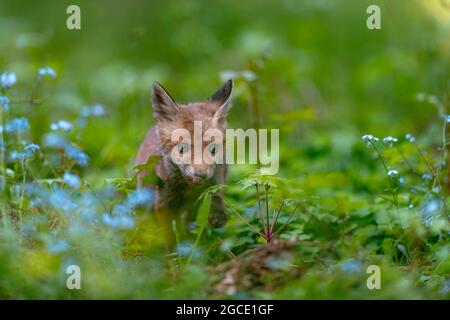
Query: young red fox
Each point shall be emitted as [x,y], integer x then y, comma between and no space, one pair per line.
[183,182]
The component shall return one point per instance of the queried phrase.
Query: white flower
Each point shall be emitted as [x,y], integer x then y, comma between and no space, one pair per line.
[62,125]
[390,141]
[368,138]
[72,180]
[4,103]
[392,173]
[420,96]
[47,72]
[96,110]
[447,118]
[8,79]
[410,137]
[427,176]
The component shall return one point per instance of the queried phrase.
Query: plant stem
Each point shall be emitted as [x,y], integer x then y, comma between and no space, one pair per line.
[284,225]
[246,222]
[433,173]
[3,149]
[22,191]
[383,161]
[404,159]
[268,233]
[259,208]
[275,219]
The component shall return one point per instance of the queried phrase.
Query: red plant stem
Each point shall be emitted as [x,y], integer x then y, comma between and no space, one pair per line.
[268,231]
[245,221]
[274,222]
[284,225]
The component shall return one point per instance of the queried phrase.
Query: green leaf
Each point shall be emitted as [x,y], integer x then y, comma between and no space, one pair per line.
[203,211]
[151,178]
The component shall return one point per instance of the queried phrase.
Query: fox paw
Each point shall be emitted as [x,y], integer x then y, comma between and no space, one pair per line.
[217,219]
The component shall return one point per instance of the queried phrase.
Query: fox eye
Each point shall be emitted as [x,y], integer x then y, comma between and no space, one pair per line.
[213,148]
[182,148]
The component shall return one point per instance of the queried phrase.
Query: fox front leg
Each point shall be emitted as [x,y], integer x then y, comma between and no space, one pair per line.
[217,216]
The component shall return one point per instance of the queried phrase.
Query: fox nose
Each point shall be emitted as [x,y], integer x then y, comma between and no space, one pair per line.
[201,175]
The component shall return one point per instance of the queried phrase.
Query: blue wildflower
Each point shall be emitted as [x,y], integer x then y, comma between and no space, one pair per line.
[96,110]
[431,210]
[4,102]
[283,262]
[77,155]
[390,141]
[85,112]
[59,246]
[351,266]
[368,139]
[54,140]
[119,222]
[250,211]
[140,197]
[77,229]
[61,125]
[410,137]
[121,209]
[8,79]
[445,288]
[29,151]
[184,248]
[89,200]
[88,215]
[47,71]
[427,176]
[16,155]
[81,122]
[17,125]
[60,199]
[32,148]
[72,180]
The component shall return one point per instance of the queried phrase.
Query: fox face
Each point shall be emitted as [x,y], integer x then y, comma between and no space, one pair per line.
[173,119]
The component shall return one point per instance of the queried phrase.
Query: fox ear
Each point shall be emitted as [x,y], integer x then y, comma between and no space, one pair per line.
[223,98]
[164,107]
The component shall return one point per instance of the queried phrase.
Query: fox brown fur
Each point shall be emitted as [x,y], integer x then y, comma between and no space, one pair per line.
[182,183]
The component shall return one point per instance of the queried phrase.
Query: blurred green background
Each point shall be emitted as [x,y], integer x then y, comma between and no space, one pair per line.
[310,68]
[323,59]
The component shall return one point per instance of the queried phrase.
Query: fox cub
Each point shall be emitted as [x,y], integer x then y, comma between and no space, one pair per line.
[181,182]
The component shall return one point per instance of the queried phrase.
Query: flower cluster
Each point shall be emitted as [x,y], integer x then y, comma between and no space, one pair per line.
[410,137]
[47,71]
[8,79]
[16,125]
[389,140]
[72,180]
[121,214]
[392,173]
[4,103]
[369,139]
[56,141]
[28,152]
[61,125]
